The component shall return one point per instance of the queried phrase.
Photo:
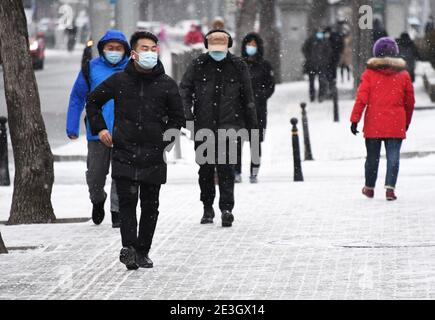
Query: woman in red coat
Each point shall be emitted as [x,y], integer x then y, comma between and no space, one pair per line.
[386,95]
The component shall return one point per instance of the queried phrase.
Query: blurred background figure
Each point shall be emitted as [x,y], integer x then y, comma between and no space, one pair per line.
[378,30]
[71,33]
[409,52]
[346,59]
[429,25]
[336,40]
[194,36]
[317,51]
[218,23]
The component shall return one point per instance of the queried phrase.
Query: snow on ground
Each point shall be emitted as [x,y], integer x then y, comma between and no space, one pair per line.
[317,239]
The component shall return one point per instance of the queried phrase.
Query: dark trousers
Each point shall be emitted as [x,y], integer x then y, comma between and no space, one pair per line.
[255,167]
[392,147]
[226,185]
[225,172]
[128,193]
[323,83]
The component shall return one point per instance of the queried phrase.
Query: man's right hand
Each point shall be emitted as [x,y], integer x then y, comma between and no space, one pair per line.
[106,138]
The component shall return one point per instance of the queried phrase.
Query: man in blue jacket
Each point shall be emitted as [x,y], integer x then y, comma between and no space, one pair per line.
[114,51]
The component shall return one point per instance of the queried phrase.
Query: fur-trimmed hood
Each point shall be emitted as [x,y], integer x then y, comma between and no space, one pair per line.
[387,63]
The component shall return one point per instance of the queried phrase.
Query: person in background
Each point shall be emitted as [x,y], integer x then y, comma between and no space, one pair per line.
[409,52]
[318,54]
[263,85]
[386,95]
[218,23]
[347,58]
[147,104]
[217,95]
[336,40]
[114,53]
[194,36]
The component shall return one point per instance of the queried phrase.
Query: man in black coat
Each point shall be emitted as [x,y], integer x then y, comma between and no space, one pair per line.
[318,53]
[217,95]
[263,85]
[147,104]
[409,52]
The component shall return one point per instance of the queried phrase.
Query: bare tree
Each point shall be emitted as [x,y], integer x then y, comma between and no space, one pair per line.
[34,176]
[362,40]
[2,246]
[246,17]
[272,37]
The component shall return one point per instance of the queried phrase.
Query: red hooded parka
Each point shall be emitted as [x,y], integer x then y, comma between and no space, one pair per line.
[386,94]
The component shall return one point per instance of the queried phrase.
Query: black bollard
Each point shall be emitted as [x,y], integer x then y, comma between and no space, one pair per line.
[307,142]
[296,152]
[335,101]
[4,162]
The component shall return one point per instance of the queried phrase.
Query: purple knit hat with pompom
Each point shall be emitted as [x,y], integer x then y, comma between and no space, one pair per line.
[385,47]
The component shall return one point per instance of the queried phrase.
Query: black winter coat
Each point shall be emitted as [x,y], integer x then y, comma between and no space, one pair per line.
[318,54]
[146,105]
[218,95]
[409,52]
[262,78]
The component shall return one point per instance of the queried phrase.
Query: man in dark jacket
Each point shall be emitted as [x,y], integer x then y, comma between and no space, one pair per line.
[147,104]
[263,85]
[318,52]
[409,52]
[217,95]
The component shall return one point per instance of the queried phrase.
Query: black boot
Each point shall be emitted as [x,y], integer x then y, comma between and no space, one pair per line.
[144,260]
[116,221]
[128,257]
[208,215]
[98,213]
[227,219]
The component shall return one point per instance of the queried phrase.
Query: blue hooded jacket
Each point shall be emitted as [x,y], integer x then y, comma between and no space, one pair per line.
[100,70]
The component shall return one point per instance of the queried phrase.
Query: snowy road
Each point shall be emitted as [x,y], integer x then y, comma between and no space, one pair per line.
[319,239]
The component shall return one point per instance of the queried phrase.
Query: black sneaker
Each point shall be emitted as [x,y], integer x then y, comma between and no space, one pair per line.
[227,219]
[208,215]
[98,213]
[144,260]
[253,179]
[129,258]
[116,221]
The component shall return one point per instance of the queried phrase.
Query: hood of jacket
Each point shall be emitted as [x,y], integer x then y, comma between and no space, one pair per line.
[114,35]
[387,65]
[260,45]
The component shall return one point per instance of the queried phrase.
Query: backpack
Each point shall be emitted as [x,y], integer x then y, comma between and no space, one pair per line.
[86,63]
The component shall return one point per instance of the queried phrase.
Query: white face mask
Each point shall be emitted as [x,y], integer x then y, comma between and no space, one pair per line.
[148,60]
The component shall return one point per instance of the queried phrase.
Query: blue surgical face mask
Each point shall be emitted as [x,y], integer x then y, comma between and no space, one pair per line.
[320,35]
[251,51]
[218,55]
[148,60]
[114,57]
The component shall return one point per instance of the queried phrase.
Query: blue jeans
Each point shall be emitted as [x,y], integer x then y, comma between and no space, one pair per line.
[392,147]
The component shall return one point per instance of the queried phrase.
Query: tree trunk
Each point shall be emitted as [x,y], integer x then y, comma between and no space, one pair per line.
[34,176]
[271,35]
[2,246]
[246,18]
[362,42]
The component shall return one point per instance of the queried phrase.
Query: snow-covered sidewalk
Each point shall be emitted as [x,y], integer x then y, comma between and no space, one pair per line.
[316,239]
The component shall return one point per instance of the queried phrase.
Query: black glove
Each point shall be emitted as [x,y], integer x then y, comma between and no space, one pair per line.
[354,128]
